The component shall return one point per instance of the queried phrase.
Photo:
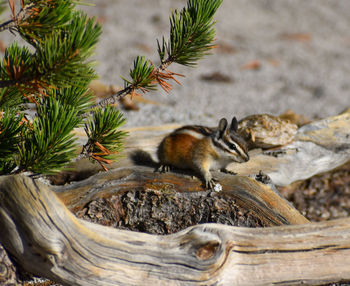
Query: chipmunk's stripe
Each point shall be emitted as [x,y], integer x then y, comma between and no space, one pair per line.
[193,133]
[196,131]
[225,143]
[240,143]
[206,131]
[241,150]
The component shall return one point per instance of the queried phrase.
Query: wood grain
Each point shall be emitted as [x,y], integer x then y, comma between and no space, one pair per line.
[38,229]
[249,194]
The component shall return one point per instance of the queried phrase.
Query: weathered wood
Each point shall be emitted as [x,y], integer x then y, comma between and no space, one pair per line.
[318,147]
[8,275]
[47,240]
[248,194]
[41,233]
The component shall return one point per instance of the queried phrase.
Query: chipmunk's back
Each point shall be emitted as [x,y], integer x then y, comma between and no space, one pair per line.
[177,148]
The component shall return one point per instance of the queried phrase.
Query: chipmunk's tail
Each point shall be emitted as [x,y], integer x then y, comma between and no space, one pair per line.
[143,158]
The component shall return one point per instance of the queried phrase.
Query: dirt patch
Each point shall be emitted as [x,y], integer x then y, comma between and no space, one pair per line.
[322,197]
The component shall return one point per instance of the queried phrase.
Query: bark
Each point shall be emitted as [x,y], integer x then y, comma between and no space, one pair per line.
[181,193]
[41,233]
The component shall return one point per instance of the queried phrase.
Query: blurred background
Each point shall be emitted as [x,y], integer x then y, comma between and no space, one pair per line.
[272,56]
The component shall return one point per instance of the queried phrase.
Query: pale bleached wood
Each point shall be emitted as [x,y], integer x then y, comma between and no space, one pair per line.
[318,147]
[48,240]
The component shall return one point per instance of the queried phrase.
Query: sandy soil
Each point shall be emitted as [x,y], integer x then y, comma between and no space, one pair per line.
[302,48]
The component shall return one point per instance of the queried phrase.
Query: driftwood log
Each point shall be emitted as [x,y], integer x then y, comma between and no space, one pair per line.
[46,239]
[43,235]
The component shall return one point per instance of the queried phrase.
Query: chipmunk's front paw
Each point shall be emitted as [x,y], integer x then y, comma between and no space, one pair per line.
[210,184]
[163,169]
[213,185]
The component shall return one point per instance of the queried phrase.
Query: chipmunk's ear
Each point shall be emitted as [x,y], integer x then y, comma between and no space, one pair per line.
[234,124]
[221,128]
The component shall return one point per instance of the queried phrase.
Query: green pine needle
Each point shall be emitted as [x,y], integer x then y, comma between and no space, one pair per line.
[81,98]
[191,33]
[44,17]
[62,58]
[11,98]
[141,74]
[10,129]
[16,64]
[103,128]
[49,143]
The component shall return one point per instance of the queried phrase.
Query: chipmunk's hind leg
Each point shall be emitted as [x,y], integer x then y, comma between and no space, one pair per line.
[224,170]
[163,169]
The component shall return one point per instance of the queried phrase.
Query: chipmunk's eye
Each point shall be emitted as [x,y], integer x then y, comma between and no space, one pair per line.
[232,146]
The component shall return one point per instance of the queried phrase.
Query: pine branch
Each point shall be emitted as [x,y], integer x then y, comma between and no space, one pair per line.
[191,33]
[191,37]
[10,129]
[13,23]
[37,18]
[142,78]
[48,145]
[60,60]
[55,76]
[114,98]
[104,137]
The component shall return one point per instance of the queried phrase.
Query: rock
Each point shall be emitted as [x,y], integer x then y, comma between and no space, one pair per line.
[266,131]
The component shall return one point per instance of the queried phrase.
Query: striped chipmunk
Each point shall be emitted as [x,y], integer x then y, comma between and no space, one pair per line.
[202,149]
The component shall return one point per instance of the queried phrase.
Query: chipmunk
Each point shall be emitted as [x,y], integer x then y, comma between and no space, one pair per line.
[202,149]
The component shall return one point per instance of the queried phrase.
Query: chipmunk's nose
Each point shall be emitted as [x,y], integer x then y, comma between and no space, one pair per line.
[246,157]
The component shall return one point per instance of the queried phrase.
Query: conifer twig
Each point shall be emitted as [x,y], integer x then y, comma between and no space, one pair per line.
[112,99]
[16,19]
[158,75]
[54,74]
[104,138]
[191,37]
